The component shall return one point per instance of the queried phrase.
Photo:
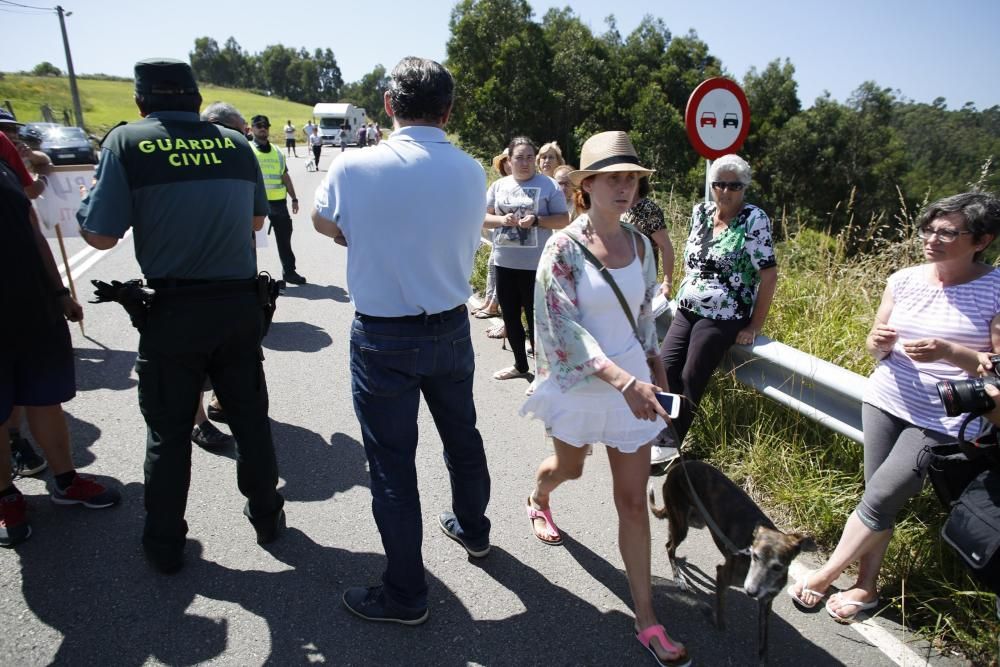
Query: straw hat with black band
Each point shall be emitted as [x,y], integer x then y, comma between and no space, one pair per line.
[607,152]
[498,161]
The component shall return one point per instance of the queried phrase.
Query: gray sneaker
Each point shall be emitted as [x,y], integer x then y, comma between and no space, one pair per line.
[24,459]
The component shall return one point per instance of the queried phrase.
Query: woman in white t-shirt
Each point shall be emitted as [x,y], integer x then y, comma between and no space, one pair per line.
[523,209]
[933,321]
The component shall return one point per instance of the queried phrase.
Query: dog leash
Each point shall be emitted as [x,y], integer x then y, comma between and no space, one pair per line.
[712,526]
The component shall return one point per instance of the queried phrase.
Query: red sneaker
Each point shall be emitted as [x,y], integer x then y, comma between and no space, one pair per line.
[14,526]
[87,492]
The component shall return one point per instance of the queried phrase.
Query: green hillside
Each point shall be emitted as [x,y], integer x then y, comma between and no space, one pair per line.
[106,102]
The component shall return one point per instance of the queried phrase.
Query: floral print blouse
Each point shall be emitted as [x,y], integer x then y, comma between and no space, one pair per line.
[645,216]
[564,351]
[722,273]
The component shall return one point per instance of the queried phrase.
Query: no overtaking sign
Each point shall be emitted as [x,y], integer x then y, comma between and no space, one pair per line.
[717,117]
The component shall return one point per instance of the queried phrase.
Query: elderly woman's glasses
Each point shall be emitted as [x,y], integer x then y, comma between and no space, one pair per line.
[944,235]
[732,186]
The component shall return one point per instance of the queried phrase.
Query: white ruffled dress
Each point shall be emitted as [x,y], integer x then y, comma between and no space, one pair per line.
[592,411]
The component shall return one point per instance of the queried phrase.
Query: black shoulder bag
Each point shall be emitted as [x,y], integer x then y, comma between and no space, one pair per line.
[966,478]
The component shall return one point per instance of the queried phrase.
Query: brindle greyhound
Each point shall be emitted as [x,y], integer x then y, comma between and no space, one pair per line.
[757,553]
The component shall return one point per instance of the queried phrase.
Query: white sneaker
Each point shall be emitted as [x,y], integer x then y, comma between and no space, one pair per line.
[664,448]
[658,454]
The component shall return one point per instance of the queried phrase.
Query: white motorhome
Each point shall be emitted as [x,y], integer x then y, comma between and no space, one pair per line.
[332,117]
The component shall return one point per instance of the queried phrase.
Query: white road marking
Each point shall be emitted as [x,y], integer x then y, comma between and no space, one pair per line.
[880,638]
[86,258]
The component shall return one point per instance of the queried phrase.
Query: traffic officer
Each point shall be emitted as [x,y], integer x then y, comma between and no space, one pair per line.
[279,186]
[192,191]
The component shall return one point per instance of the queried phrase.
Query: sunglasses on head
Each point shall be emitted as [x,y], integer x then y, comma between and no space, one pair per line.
[732,186]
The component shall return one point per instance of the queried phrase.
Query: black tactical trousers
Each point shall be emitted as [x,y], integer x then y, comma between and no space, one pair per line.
[281,223]
[186,338]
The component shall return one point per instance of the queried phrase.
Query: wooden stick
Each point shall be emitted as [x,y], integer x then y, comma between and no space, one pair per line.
[69,274]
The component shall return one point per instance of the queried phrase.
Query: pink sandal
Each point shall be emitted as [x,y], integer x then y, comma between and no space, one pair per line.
[550,526]
[658,631]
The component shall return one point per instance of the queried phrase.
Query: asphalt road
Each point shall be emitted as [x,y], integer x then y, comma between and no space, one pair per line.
[80,592]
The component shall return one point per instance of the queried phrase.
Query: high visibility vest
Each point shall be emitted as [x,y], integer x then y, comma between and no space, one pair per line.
[272,166]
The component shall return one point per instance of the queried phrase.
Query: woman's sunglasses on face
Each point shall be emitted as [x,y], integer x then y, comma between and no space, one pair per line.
[732,186]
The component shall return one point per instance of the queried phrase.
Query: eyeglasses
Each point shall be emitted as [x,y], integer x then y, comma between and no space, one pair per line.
[944,235]
[732,186]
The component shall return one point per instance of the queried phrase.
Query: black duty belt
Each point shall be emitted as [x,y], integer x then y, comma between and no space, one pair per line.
[424,319]
[192,287]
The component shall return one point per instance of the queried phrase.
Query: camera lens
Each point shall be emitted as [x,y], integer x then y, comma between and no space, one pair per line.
[963,396]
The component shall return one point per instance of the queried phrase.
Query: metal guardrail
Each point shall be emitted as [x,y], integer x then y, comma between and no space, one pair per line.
[817,389]
[823,392]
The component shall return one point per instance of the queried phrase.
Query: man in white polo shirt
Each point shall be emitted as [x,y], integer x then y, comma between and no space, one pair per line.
[409,212]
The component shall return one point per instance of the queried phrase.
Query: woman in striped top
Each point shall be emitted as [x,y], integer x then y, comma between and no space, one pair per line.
[932,321]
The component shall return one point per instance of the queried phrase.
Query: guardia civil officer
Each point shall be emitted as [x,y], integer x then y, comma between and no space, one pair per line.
[192,191]
[279,186]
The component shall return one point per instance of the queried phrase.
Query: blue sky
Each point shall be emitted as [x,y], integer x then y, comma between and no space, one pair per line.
[922,48]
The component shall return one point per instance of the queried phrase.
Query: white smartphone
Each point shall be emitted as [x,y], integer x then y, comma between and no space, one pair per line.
[670,402]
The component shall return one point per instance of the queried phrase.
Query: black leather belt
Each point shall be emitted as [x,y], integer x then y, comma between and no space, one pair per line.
[425,318]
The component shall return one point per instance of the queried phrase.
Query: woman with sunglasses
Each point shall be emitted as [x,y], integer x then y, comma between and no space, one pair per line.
[933,320]
[729,281]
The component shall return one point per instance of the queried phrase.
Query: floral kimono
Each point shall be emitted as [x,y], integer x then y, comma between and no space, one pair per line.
[564,350]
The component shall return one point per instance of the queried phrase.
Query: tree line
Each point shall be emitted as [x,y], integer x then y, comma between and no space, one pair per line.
[294,75]
[277,70]
[831,166]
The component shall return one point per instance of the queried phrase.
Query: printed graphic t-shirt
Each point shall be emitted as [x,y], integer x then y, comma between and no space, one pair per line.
[516,248]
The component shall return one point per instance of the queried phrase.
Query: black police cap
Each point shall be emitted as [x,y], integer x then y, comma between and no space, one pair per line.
[260,119]
[164,76]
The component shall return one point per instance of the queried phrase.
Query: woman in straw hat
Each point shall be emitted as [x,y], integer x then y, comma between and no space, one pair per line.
[523,208]
[593,383]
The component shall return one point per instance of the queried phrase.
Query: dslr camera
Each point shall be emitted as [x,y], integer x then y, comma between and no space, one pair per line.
[964,396]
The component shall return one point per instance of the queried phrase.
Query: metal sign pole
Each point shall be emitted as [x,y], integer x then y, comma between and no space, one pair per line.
[708,185]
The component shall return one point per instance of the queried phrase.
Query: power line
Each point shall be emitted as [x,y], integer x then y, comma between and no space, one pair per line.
[16,4]
[23,12]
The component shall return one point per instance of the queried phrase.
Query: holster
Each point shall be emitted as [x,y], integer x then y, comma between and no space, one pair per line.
[133,296]
[268,290]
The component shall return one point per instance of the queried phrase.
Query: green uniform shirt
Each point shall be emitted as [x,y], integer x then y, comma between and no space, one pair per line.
[188,188]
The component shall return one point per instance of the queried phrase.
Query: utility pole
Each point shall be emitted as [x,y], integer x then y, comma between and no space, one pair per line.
[77,109]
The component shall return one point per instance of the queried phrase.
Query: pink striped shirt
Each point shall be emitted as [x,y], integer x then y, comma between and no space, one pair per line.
[957,313]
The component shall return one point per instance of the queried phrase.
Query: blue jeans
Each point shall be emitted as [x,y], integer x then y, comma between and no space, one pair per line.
[392,363]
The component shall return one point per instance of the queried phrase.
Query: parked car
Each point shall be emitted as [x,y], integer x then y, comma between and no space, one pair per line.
[42,127]
[707,118]
[730,119]
[68,145]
